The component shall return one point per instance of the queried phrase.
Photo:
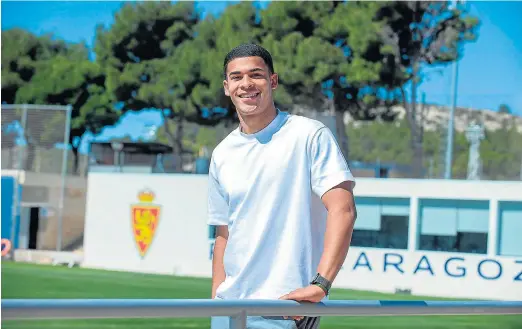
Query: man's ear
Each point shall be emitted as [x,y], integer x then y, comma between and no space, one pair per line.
[225,87]
[274,81]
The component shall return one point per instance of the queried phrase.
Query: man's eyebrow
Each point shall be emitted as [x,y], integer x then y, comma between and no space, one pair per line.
[257,69]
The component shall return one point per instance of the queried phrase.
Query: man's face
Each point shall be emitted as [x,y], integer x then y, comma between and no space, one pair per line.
[249,85]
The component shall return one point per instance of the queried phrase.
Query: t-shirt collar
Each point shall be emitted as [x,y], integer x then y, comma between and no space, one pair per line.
[269,130]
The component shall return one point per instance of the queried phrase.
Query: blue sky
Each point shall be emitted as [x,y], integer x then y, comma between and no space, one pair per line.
[489,74]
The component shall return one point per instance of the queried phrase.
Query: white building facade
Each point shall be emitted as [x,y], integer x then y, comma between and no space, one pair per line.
[445,238]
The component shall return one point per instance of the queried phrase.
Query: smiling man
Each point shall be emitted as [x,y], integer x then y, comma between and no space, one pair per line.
[280,195]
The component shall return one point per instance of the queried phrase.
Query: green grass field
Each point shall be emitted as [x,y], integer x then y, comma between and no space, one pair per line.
[40,281]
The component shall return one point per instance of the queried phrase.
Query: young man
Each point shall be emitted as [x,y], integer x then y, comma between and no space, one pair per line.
[280,194]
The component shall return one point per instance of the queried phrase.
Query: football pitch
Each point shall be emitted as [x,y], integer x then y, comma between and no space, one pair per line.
[42,281]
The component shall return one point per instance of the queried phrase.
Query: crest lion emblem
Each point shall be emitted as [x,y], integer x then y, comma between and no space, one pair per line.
[145,219]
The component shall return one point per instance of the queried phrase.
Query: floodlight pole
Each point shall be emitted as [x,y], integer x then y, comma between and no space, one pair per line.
[451,121]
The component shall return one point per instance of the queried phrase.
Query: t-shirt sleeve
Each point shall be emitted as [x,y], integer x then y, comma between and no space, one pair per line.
[217,199]
[329,167]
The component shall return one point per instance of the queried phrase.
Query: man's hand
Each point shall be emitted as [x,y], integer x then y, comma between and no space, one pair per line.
[312,294]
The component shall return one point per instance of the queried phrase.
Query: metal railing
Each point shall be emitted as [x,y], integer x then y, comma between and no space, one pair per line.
[238,310]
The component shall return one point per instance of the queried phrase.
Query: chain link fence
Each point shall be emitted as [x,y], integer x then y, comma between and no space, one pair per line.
[35,140]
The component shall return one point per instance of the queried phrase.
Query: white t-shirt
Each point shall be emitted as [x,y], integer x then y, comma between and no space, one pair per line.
[266,187]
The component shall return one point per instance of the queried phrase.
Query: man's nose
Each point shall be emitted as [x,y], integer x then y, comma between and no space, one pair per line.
[246,82]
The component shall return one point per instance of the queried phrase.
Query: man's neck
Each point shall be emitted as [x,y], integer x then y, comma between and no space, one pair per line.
[253,124]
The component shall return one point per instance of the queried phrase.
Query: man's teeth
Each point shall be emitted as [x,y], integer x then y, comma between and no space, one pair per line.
[248,96]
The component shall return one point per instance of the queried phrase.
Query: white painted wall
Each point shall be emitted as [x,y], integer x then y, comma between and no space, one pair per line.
[433,273]
[440,189]
[181,245]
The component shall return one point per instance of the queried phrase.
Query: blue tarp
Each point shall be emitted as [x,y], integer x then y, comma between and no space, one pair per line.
[8,187]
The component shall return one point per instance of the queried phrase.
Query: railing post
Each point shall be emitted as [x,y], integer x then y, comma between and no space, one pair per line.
[238,321]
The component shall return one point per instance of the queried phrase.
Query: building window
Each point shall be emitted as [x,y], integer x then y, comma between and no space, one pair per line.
[510,228]
[381,223]
[454,225]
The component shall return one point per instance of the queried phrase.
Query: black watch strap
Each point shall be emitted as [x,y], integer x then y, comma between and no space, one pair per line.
[322,282]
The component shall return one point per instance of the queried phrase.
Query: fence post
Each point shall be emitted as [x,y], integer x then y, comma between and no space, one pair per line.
[63,178]
[17,208]
[238,321]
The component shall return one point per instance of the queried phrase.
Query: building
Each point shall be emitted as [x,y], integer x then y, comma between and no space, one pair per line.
[442,238]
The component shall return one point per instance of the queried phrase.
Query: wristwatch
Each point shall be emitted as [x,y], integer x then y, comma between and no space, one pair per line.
[322,282]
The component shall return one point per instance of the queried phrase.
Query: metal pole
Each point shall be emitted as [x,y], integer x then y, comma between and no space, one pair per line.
[238,321]
[63,178]
[16,207]
[237,310]
[451,123]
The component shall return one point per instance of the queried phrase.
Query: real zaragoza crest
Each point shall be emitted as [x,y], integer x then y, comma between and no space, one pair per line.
[145,218]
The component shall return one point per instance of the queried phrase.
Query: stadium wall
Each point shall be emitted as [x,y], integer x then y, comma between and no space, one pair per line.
[157,224]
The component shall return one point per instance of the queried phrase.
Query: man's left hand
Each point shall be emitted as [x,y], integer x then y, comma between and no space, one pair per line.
[312,294]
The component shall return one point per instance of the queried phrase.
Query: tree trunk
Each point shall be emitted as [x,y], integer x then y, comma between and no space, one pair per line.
[337,104]
[76,159]
[340,130]
[175,140]
[415,127]
[418,164]
[179,143]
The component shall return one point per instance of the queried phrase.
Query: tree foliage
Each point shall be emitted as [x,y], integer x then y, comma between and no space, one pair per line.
[503,108]
[138,55]
[385,142]
[217,36]
[417,35]
[501,153]
[355,57]
[43,70]
[21,51]
[320,67]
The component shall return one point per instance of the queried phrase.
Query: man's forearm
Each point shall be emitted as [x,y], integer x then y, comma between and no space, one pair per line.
[218,269]
[339,228]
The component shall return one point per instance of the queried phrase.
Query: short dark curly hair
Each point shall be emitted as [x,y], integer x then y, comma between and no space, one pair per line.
[248,50]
